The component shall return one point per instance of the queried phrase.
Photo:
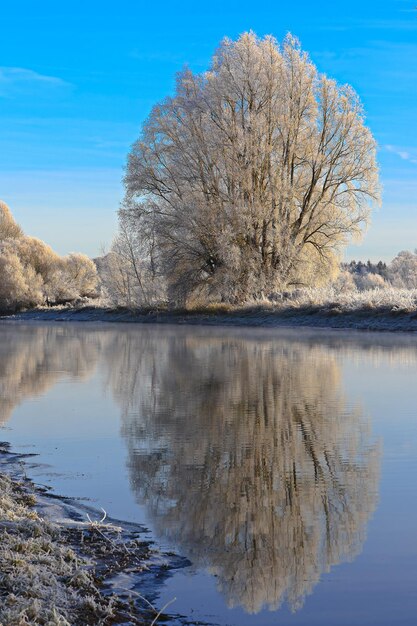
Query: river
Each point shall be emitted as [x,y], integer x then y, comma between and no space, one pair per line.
[281,463]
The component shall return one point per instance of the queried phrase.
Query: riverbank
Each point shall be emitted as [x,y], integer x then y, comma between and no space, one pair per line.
[371,316]
[65,564]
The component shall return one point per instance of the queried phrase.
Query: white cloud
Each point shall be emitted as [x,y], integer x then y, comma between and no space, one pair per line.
[404,154]
[17,79]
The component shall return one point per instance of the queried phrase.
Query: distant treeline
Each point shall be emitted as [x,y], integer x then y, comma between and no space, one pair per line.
[401,272]
[359,267]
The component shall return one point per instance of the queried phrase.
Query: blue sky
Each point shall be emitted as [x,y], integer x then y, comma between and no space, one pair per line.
[77,79]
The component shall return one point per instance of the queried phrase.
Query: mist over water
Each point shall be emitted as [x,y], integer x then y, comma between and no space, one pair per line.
[255,454]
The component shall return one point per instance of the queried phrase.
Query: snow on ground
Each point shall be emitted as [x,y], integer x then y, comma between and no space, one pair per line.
[378,309]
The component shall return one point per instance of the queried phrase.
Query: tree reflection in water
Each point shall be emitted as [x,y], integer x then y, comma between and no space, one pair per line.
[241,445]
[33,358]
[247,458]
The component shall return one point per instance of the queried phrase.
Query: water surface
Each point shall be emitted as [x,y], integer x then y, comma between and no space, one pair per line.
[281,463]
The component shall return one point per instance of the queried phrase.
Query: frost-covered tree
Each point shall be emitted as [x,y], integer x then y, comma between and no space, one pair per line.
[365,282]
[20,285]
[254,174]
[35,253]
[115,278]
[8,227]
[77,278]
[403,270]
[129,272]
[32,274]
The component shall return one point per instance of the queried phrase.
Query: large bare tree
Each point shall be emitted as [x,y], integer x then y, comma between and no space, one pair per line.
[254,174]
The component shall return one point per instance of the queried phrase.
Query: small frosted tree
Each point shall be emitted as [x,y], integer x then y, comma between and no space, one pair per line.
[254,175]
[130,271]
[403,270]
[39,257]
[369,281]
[114,277]
[80,275]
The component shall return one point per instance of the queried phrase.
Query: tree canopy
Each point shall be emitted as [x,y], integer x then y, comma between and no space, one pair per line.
[253,175]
